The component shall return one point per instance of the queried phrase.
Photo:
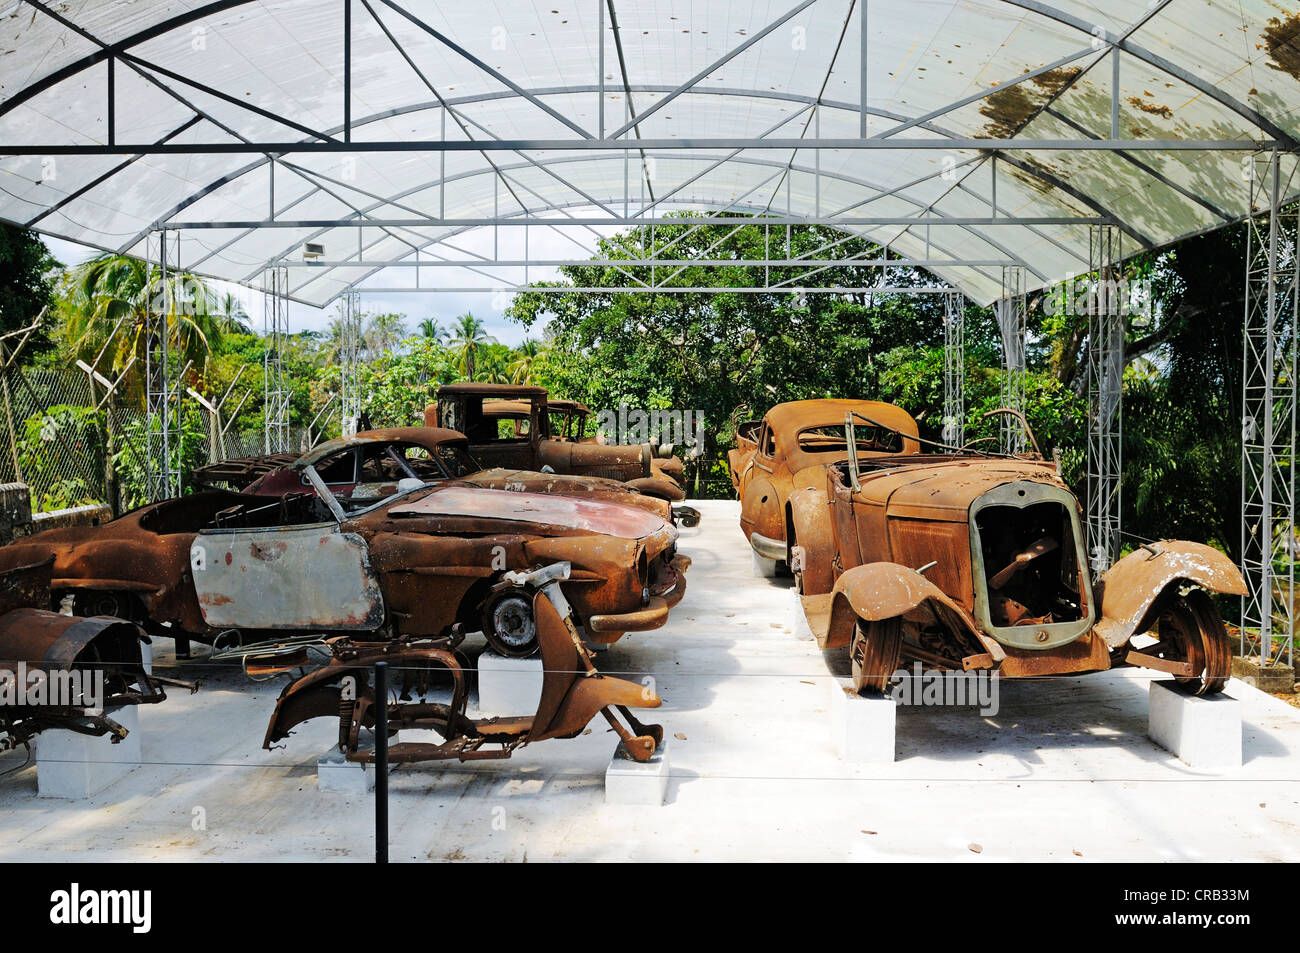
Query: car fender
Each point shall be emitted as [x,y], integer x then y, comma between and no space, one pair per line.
[813,535]
[660,488]
[880,591]
[1131,590]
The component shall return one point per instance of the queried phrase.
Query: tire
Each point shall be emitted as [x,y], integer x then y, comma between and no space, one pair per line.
[1191,630]
[875,653]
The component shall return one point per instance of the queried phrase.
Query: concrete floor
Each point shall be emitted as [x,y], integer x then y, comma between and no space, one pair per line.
[1064,771]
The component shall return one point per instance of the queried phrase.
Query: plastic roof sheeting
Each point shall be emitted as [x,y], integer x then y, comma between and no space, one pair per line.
[275,73]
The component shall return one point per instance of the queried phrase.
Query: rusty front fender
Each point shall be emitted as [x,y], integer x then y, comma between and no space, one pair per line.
[1130,589]
[661,488]
[814,537]
[880,591]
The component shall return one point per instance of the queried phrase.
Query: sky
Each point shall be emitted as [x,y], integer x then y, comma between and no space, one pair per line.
[488,305]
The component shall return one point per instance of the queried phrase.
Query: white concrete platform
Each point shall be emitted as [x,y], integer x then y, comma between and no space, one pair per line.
[335,774]
[75,766]
[1202,732]
[508,686]
[760,566]
[637,783]
[1065,765]
[862,728]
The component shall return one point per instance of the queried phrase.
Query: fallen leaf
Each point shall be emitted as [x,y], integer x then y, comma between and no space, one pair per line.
[679,736]
[868,832]
[975,848]
[1078,853]
[804,681]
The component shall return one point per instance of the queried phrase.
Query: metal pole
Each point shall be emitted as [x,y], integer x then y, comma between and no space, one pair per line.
[381,762]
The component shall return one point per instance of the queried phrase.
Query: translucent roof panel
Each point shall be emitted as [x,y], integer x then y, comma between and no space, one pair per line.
[230,120]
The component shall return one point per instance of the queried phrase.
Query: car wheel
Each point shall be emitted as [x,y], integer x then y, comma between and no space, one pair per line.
[875,652]
[508,623]
[1191,630]
[89,603]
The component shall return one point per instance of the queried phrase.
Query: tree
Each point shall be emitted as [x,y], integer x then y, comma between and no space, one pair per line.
[385,332]
[27,277]
[526,359]
[104,305]
[431,330]
[467,338]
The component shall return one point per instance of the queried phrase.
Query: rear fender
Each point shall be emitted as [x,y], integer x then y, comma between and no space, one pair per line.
[809,525]
[659,487]
[1132,590]
[880,591]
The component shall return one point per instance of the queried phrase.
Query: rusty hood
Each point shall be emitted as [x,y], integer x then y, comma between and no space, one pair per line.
[562,484]
[945,489]
[582,515]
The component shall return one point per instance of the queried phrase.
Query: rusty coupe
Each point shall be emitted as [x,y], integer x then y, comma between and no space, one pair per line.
[969,560]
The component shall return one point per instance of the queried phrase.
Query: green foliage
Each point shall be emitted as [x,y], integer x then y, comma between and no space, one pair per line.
[61,455]
[396,388]
[188,450]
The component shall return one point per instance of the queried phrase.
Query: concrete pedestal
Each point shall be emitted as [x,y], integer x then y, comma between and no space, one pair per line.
[798,618]
[146,656]
[508,686]
[763,567]
[637,782]
[1204,732]
[72,765]
[335,774]
[862,728]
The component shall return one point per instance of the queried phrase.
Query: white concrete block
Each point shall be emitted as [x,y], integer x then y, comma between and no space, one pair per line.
[146,656]
[628,781]
[798,619]
[763,567]
[1203,731]
[335,774]
[508,686]
[73,765]
[862,728]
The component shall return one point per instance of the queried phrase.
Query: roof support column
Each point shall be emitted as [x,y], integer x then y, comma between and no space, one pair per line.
[162,478]
[1268,427]
[349,358]
[1105,375]
[954,369]
[275,321]
[1011,310]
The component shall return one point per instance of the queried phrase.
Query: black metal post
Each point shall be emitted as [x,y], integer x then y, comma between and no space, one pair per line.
[381,762]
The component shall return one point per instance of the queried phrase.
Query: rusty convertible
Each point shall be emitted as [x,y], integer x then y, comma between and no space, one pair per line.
[963,559]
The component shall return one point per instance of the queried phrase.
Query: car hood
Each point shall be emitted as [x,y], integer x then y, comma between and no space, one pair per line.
[591,516]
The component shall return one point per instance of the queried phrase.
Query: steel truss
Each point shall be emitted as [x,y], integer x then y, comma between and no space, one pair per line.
[954,369]
[162,382]
[275,326]
[1011,311]
[1268,431]
[350,331]
[1105,375]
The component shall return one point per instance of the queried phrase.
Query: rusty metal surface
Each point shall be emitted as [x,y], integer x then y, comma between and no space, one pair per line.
[1129,589]
[980,559]
[433,558]
[573,692]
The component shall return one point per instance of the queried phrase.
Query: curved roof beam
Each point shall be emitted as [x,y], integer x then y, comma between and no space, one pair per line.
[1159,62]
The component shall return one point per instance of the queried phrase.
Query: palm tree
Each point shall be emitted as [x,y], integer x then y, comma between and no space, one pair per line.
[106,304]
[385,332]
[431,330]
[466,338]
[524,362]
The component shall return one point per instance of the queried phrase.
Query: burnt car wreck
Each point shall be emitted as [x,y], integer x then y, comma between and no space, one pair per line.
[573,692]
[967,560]
[62,672]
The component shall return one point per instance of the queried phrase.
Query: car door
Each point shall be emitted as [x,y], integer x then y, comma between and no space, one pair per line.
[286,577]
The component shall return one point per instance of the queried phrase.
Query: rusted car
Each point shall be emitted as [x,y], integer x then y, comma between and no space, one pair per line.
[790,449]
[64,660]
[567,419]
[230,568]
[504,438]
[369,465]
[573,692]
[965,560]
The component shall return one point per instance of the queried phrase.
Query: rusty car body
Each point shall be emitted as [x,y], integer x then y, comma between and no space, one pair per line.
[230,568]
[965,560]
[789,449]
[573,692]
[38,646]
[505,438]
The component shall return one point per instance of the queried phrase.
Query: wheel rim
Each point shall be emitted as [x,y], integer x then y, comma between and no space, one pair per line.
[511,629]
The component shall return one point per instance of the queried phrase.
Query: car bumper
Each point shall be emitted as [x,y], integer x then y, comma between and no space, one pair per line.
[651,616]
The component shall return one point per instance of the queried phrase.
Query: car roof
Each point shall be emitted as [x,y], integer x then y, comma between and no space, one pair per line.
[427,437]
[799,415]
[483,388]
